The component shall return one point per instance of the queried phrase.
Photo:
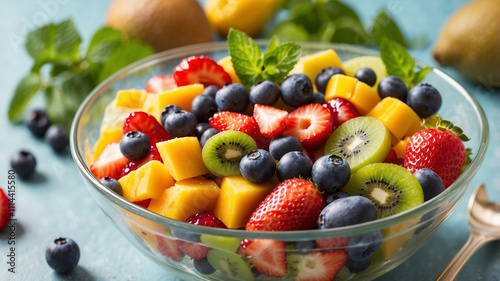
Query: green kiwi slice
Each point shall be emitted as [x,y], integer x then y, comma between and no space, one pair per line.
[360,141]
[222,152]
[230,264]
[392,188]
[230,244]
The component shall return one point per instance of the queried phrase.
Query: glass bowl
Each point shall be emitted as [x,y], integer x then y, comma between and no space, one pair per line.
[404,233]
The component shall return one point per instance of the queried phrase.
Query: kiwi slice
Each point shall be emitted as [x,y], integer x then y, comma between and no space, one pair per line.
[360,141]
[230,244]
[391,188]
[230,264]
[222,152]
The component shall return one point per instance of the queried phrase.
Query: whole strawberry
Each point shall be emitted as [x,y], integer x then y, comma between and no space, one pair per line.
[295,204]
[440,149]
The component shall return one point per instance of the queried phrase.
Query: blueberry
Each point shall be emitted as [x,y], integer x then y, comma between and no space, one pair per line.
[135,145]
[23,163]
[113,184]
[258,166]
[366,75]
[171,108]
[335,196]
[57,138]
[233,97]
[331,173]
[324,76]
[364,245]
[210,90]
[181,123]
[304,247]
[356,266]
[62,255]
[210,132]
[431,183]
[265,92]
[318,97]
[203,266]
[37,122]
[297,90]
[392,86]
[424,99]
[294,164]
[347,211]
[203,107]
[284,144]
[201,128]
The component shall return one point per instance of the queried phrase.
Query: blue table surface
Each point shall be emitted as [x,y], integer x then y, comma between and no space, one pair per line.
[55,201]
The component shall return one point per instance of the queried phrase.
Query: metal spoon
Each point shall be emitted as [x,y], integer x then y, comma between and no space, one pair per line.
[484,226]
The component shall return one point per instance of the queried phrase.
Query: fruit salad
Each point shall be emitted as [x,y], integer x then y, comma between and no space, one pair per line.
[330,144]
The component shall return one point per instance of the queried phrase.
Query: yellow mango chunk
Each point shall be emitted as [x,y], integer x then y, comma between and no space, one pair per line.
[182,156]
[397,236]
[400,147]
[108,135]
[238,199]
[186,198]
[148,181]
[340,86]
[131,98]
[182,96]
[397,117]
[364,98]
[311,65]
[227,64]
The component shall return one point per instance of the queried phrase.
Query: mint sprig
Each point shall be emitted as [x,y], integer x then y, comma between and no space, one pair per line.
[71,74]
[252,66]
[398,62]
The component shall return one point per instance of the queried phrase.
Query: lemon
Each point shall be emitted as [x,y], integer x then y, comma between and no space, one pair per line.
[375,63]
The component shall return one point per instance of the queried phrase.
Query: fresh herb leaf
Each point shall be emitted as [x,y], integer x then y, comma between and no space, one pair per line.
[40,40]
[280,60]
[385,27]
[103,43]
[26,89]
[274,42]
[335,9]
[291,31]
[67,40]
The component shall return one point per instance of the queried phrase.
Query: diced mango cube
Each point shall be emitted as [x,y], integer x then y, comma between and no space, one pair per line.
[182,96]
[131,98]
[182,156]
[340,86]
[312,64]
[227,64]
[148,181]
[397,117]
[238,199]
[400,147]
[108,135]
[186,198]
[364,98]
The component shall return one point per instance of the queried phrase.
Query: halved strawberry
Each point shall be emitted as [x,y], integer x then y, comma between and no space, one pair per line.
[110,163]
[135,164]
[193,250]
[160,83]
[318,265]
[143,203]
[271,120]
[4,209]
[200,69]
[341,110]
[266,256]
[227,120]
[168,247]
[392,158]
[146,123]
[311,124]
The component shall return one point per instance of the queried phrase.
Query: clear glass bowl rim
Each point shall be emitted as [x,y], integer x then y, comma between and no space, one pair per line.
[451,192]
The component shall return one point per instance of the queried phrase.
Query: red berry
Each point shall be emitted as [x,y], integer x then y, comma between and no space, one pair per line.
[341,110]
[146,123]
[200,69]
[311,124]
[168,247]
[206,218]
[392,158]
[227,120]
[319,265]
[5,213]
[136,164]
[143,203]
[160,83]
[266,256]
[110,163]
[271,120]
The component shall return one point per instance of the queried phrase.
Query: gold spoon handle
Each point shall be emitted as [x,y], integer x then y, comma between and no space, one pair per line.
[473,244]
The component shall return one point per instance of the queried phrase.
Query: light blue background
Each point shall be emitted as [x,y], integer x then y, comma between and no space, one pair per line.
[56,203]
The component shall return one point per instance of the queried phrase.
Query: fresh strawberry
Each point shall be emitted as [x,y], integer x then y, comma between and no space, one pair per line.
[266,256]
[295,204]
[146,123]
[160,83]
[312,124]
[271,120]
[319,265]
[440,149]
[227,120]
[135,164]
[110,163]
[200,69]
[168,247]
[329,244]
[4,209]
[341,110]
[193,250]
[143,203]
[392,158]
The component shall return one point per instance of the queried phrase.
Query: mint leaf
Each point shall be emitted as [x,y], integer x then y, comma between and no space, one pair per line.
[274,42]
[26,89]
[385,27]
[66,40]
[280,60]
[420,75]
[123,56]
[245,56]
[397,61]
[103,43]
[40,40]
[336,9]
